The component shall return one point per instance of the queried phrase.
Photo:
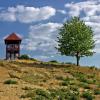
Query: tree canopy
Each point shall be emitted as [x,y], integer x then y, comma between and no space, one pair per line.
[76,39]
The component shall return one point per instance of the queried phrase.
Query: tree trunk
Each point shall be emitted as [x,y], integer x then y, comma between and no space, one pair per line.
[77,58]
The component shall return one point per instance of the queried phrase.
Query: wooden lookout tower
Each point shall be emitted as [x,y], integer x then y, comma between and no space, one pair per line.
[12,42]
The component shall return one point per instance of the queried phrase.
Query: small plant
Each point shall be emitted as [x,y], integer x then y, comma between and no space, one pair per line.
[85,85]
[93,68]
[91,75]
[25,56]
[37,94]
[73,87]
[64,83]
[33,59]
[97,92]
[10,82]
[87,95]
[63,94]
[67,79]
[90,81]
[44,80]
[53,61]
[43,93]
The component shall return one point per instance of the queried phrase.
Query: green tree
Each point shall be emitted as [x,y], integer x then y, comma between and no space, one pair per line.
[75,39]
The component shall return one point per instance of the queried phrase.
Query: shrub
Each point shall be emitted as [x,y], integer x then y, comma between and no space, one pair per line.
[68,79]
[42,93]
[53,61]
[74,88]
[90,81]
[64,94]
[82,77]
[37,94]
[25,56]
[97,92]
[93,68]
[33,59]
[87,95]
[70,63]
[91,75]
[74,97]
[10,82]
[64,83]
[85,85]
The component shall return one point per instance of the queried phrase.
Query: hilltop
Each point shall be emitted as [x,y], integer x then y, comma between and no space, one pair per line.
[35,80]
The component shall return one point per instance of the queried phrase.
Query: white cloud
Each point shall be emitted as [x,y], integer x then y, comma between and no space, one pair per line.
[42,37]
[25,14]
[89,7]
[62,11]
[74,9]
[7,16]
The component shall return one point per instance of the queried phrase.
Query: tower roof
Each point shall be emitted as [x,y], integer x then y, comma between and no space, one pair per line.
[13,36]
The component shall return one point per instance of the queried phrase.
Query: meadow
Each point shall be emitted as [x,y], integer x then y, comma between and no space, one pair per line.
[36,80]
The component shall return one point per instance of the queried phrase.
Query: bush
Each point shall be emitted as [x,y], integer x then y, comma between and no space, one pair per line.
[70,63]
[64,83]
[97,92]
[64,94]
[10,82]
[37,94]
[74,88]
[43,93]
[25,56]
[82,77]
[33,59]
[87,95]
[93,68]
[85,85]
[53,61]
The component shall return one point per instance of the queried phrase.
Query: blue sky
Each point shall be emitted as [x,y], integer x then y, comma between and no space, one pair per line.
[38,21]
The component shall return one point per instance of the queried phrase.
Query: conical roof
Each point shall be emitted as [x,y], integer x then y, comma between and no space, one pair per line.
[13,36]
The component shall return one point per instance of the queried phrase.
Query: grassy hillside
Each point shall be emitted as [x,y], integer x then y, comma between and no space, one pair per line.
[31,80]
